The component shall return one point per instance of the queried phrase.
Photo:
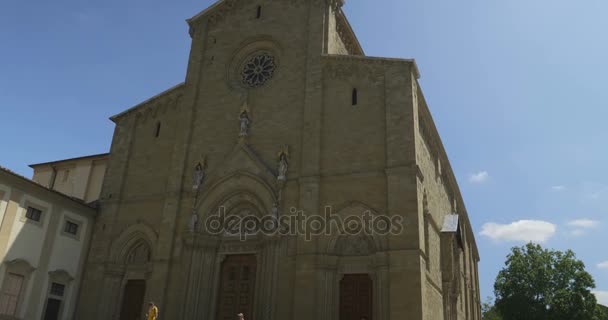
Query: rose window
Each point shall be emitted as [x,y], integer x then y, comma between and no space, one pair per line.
[258,69]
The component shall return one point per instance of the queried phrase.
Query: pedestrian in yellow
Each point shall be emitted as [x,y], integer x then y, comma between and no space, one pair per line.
[152,311]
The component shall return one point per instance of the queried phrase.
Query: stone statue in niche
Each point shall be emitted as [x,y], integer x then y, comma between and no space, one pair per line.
[275,211]
[283,163]
[199,176]
[193,225]
[244,120]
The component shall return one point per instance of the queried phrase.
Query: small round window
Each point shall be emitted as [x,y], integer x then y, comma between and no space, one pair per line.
[258,69]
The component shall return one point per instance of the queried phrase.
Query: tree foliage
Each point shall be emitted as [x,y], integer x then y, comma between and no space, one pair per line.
[541,284]
[489,312]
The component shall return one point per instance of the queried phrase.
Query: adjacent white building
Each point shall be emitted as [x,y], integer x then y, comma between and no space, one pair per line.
[44,239]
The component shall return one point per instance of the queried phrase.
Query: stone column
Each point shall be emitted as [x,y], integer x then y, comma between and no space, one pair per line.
[381,292]
[327,286]
[203,264]
[265,299]
[109,303]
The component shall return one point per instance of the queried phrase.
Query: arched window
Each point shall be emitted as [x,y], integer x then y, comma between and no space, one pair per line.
[259,12]
[157,130]
[354,97]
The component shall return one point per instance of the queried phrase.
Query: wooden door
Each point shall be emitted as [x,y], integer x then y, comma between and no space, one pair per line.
[53,306]
[133,300]
[237,287]
[356,297]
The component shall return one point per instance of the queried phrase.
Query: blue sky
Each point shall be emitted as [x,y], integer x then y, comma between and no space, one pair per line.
[518,90]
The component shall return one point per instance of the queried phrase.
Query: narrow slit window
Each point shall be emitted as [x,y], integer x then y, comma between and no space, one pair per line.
[157,131]
[259,12]
[354,97]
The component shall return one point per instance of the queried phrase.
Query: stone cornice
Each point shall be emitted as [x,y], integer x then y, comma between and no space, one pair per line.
[222,8]
[173,94]
[346,33]
[351,65]
[431,137]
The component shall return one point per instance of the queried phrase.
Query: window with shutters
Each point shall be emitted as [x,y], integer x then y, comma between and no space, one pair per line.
[11,292]
[71,228]
[33,214]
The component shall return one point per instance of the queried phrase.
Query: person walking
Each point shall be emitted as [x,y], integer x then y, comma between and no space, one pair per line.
[152,311]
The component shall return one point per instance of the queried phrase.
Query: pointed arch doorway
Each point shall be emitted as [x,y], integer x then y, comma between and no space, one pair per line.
[356,297]
[237,287]
[136,260]
[133,300]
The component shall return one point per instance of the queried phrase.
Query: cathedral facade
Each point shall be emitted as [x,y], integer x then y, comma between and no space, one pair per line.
[281,115]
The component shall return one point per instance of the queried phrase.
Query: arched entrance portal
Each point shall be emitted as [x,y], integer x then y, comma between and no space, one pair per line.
[133,300]
[136,261]
[356,297]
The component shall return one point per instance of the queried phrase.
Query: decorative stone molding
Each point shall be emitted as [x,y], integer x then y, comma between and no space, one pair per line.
[347,35]
[200,241]
[359,245]
[234,247]
[60,276]
[353,70]
[20,266]
[128,238]
[154,107]
[114,269]
[224,9]
[250,48]
[355,61]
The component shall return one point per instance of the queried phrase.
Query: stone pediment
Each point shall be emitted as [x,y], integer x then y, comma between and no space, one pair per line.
[242,159]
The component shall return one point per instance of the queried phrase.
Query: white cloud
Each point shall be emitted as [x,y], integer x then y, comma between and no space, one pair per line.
[578,232]
[479,177]
[522,230]
[603,265]
[583,223]
[601,296]
[558,188]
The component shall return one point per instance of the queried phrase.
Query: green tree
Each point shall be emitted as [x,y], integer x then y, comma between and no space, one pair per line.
[488,311]
[541,284]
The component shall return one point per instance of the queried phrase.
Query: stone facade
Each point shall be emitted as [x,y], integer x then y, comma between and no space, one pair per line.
[360,139]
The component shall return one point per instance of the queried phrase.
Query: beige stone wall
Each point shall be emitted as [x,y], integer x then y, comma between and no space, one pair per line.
[441,197]
[81,178]
[40,251]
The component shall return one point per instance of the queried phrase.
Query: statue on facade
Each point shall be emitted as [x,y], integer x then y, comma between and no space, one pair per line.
[244,121]
[199,174]
[275,211]
[193,225]
[283,163]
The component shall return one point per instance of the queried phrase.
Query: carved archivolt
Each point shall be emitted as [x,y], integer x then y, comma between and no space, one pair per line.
[135,244]
[154,107]
[138,254]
